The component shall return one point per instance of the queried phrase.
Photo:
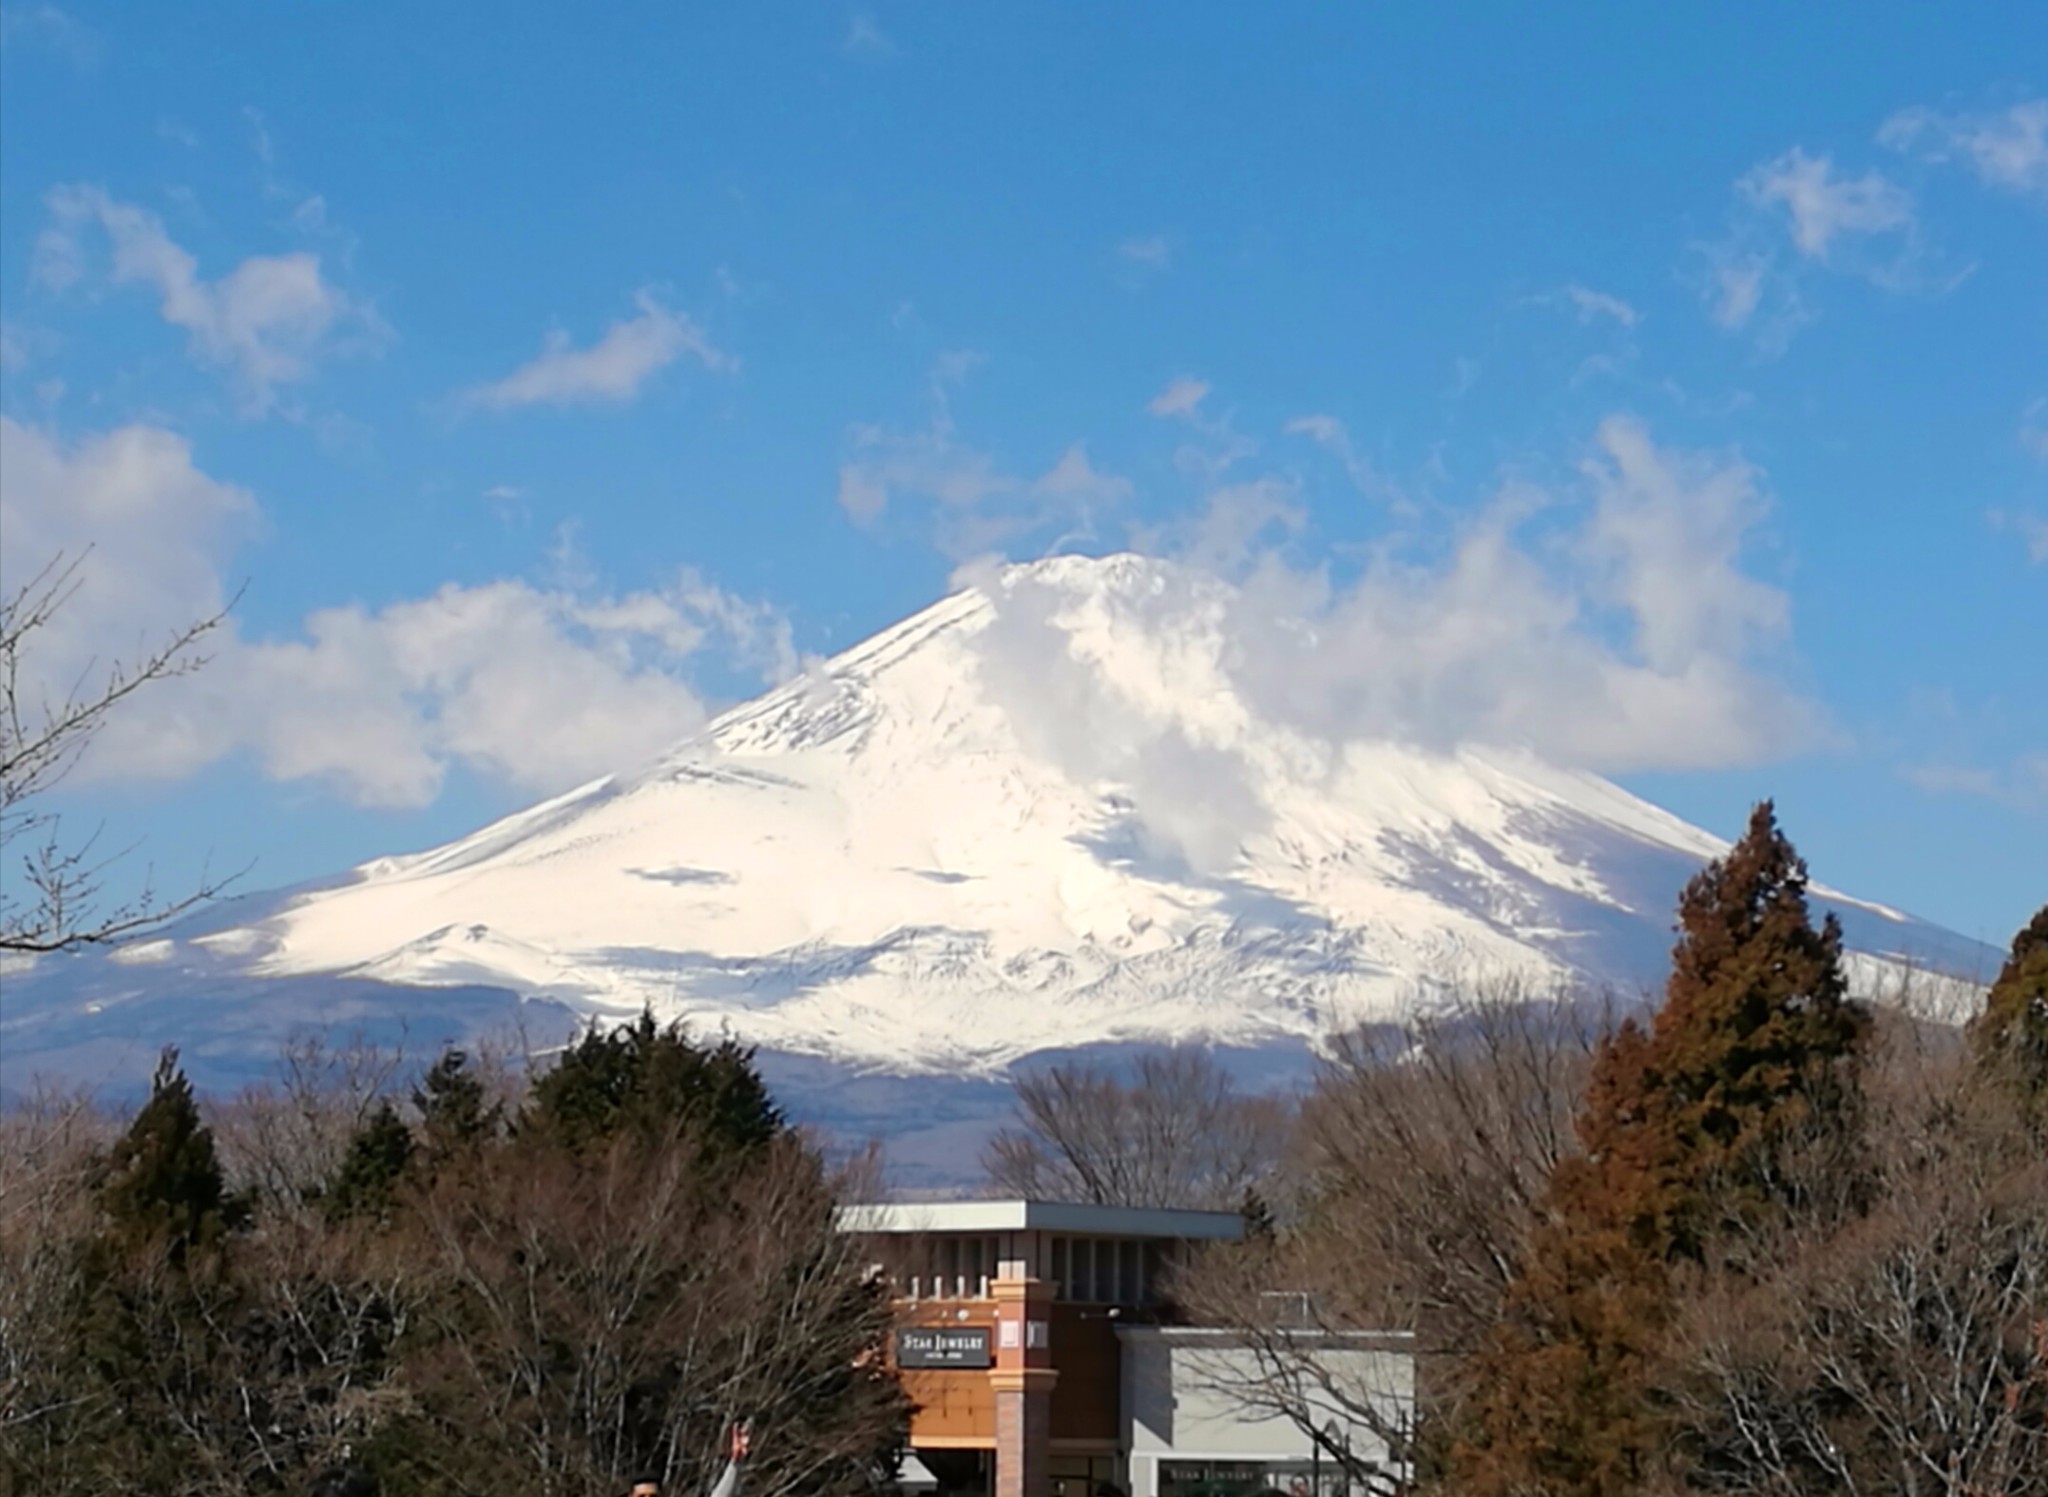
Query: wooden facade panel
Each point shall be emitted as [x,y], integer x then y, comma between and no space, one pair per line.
[953,1405]
[1085,1349]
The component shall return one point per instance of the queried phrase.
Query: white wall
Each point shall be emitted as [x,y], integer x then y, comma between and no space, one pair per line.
[1174,1408]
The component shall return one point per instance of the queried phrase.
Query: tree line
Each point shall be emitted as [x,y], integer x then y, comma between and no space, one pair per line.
[1763,1239]
[475,1285]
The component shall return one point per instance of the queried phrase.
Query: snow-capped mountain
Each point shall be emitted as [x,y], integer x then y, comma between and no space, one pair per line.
[1039,815]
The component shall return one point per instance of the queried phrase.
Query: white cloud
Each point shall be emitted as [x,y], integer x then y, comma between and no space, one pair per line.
[1623,639]
[2020,786]
[148,531]
[1075,478]
[981,505]
[865,38]
[1217,446]
[1330,434]
[1149,250]
[1182,397]
[1738,287]
[21,346]
[2006,150]
[534,688]
[1824,208]
[1797,215]
[1592,305]
[1236,521]
[58,30]
[613,369]
[537,687]
[1609,628]
[2034,428]
[2031,529]
[267,321]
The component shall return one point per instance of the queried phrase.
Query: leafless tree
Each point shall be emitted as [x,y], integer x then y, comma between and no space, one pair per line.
[284,1138]
[595,1316]
[1896,1339]
[48,1145]
[1428,1146]
[43,733]
[1178,1133]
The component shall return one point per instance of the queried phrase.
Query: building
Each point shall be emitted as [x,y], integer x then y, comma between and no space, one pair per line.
[1036,1340]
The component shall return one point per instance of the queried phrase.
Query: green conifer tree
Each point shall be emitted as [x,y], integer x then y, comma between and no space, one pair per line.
[2010,1038]
[1685,1129]
[377,1157]
[651,1080]
[456,1114]
[163,1183]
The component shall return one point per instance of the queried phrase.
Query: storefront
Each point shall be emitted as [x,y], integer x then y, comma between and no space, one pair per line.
[1029,1341]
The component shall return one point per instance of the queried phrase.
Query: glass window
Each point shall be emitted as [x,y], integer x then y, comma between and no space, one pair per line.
[1127,1272]
[1062,1286]
[1105,1272]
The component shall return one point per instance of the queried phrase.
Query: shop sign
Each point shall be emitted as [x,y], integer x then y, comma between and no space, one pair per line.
[943,1346]
[1237,1479]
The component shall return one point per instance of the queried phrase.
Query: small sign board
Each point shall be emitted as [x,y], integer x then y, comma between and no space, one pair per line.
[943,1346]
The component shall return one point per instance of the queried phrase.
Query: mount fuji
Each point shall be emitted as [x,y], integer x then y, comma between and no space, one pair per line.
[1041,815]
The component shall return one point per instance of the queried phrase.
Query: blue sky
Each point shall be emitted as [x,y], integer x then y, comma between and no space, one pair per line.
[551,373]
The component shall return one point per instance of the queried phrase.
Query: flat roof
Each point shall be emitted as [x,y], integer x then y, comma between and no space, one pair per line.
[914,1217]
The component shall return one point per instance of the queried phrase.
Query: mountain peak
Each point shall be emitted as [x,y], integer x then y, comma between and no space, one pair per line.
[1038,814]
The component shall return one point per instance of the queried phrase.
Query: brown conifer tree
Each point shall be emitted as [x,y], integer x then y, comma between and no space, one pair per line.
[1685,1129]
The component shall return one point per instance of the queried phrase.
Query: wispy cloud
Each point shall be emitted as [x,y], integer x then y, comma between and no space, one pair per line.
[1182,397]
[981,504]
[1331,435]
[2020,786]
[2032,531]
[1798,215]
[1150,251]
[1592,306]
[2007,149]
[268,321]
[2034,428]
[865,38]
[1216,446]
[1825,208]
[610,371]
[47,26]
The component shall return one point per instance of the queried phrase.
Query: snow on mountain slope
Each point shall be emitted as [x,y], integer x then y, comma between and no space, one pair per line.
[1037,815]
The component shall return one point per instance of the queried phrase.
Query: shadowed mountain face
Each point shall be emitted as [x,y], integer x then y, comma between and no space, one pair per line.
[1043,814]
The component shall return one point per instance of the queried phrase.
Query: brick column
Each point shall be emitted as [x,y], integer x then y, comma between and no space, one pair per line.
[1022,1378]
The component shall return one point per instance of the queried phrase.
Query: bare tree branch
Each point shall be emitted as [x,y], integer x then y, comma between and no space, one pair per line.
[42,738]
[1179,1133]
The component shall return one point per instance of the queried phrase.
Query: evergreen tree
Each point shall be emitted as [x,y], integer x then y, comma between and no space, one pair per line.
[2010,1038]
[156,1285]
[456,1114]
[375,1161]
[163,1183]
[1259,1225]
[650,1080]
[1685,1129]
